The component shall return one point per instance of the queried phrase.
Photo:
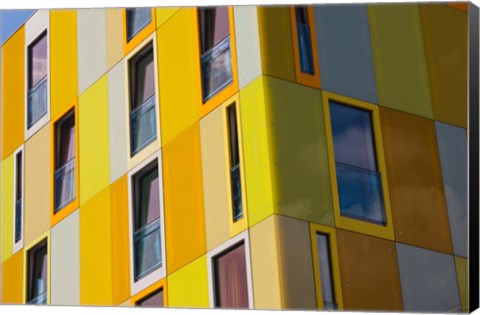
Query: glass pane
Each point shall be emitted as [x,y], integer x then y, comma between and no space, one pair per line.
[66,148]
[18,220]
[236,186]
[64,185]
[149,203]
[38,62]
[323,250]
[37,102]
[18,180]
[137,19]
[231,279]
[216,69]
[147,250]
[305,48]
[144,79]
[153,300]
[143,125]
[301,15]
[214,26]
[37,272]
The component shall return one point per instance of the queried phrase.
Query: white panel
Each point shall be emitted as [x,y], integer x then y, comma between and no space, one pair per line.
[116,122]
[248,44]
[36,25]
[92,46]
[65,261]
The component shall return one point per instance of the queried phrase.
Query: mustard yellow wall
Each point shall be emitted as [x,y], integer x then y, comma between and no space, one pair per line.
[120,241]
[188,286]
[63,60]
[94,155]
[13,98]
[461,265]
[163,14]
[276,42]
[178,73]
[13,279]
[6,202]
[96,286]
[257,151]
[183,193]
[114,36]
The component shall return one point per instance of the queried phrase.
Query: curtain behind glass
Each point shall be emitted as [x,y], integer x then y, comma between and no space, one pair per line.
[153,300]
[37,271]
[149,203]
[145,79]
[38,62]
[214,26]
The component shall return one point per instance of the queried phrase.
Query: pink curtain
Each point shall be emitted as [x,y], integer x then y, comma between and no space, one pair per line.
[38,67]
[214,26]
[153,300]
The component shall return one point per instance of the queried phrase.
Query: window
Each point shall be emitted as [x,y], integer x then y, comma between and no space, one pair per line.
[64,178]
[304,40]
[215,60]
[142,100]
[235,179]
[18,200]
[137,19]
[358,179]
[154,299]
[147,253]
[37,104]
[37,274]
[326,276]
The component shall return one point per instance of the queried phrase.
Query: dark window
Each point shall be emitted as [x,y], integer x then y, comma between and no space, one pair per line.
[358,180]
[137,19]
[304,40]
[142,100]
[37,274]
[328,294]
[146,216]
[65,161]
[154,299]
[216,61]
[37,79]
[231,290]
[18,196]
[235,181]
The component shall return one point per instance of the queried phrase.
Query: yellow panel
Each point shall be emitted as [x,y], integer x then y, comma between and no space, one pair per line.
[184,210]
[13,272]
[257,152]
[6,200]
[96,250]
[94,147]
[461,264]
[114,37]
[163,14]
[188,286]
[276,42]
[178,74]
[63,50]
[13,97]
[266,281]
[120,241]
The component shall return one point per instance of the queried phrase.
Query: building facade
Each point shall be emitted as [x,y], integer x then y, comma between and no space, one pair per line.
[310,157]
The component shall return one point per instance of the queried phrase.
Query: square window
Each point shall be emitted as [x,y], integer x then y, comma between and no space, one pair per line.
[235,177]
[37,85]
[304,40]
[137,20]
[37,274]
[154,299]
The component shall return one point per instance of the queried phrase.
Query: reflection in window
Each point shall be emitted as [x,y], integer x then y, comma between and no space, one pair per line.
[37,274]
[358,180]
[235,181]
[137,19]
[37,79]
[326,279]
[304,40]
[154,299]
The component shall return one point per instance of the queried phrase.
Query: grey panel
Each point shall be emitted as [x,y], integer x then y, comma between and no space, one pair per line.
[428,280]
[65,261]
[117,122]
[452,146]
[344,51]
[92,46]
[247,43]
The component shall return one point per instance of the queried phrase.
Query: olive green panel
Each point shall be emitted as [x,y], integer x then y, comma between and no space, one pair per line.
[276,43]
[399,58]
[445,35]
[256,151]
[461,265]
[299,151]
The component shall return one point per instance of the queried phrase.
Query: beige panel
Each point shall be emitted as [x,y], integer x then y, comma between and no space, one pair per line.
[295,256]
[37,184]
[127,303]
[265,268]
[114,36]
[214,178]
[65,261]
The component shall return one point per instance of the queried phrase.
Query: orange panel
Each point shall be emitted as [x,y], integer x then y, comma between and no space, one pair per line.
[417,198]
[459,5]
[13,279]
[120,241]
[369,272]
[184,212]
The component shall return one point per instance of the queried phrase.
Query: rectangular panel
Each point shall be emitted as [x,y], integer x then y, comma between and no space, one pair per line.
[164,14]
[92,46]
[6,208]
[461,265]
[13,284]
[65,257]
[399,58]
[93,130]
[188,286]
[345,51]
[114,36]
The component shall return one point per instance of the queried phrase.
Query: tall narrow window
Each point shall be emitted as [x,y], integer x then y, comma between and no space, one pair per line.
[37,274]
[142,100]
[231,288]
[235,181]
[358,179]
[37,80]
[304,40]
[216,60]
[18,195]
[146,221]
[137,19]
[328,294]
[64,161]
[154,299]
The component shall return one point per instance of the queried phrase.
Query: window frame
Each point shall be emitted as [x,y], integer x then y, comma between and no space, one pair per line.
[18,245]
[159,273]
[159,285]
[351,224]
[141,35]
[44,237]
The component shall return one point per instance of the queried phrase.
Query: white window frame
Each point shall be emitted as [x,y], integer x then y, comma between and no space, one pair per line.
[34,27]
[212,254]
[18,245]
[160,273]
